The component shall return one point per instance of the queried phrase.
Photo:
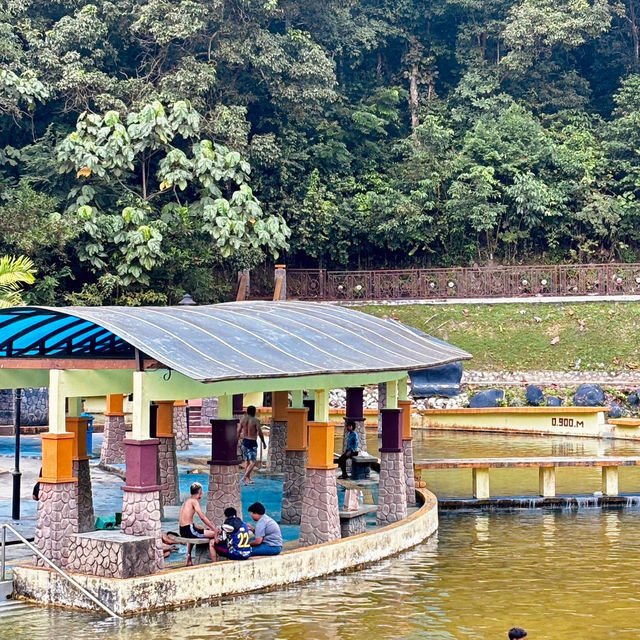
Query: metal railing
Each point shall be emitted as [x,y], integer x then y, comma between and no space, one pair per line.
[39,553]
[465,282]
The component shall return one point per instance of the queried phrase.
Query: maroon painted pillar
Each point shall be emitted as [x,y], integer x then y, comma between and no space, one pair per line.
[392,501]
[141,513]
[224,484]
[355,412]
[238,407]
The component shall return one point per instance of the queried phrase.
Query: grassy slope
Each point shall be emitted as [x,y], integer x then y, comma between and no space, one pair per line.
[508,336]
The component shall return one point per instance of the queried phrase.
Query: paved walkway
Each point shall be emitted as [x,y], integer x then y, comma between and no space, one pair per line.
[107,493]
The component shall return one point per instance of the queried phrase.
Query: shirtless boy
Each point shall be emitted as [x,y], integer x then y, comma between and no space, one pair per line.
[188,529]
[249,430]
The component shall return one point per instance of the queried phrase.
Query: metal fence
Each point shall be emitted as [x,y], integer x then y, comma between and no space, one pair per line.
[462,282]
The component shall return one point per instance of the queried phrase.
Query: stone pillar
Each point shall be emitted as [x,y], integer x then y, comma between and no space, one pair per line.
[278,437]
[80,470]
[112,451]
[392,500]
[224,484]
[180,430]
[320,518]
[382,403]
[57,517]
[208,411]
[167,459]
[407,451]
[355,411]
[141,508]
[296,458]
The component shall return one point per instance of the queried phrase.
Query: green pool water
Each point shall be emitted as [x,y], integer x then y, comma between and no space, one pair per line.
[559,574]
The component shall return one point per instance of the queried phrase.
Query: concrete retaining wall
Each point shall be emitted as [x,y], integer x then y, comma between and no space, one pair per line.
[190,585]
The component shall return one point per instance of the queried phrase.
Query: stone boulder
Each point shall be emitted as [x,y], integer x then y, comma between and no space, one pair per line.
[634,398]
[616,411]
[554,401]
[589,395]
[488,398]
[535,397]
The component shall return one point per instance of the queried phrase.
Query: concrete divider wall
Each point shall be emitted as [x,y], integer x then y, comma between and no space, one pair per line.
[190,585]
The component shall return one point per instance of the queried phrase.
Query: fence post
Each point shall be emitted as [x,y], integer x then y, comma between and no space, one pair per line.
[280,277]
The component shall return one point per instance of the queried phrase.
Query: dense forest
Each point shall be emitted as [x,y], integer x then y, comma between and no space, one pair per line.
[152,147]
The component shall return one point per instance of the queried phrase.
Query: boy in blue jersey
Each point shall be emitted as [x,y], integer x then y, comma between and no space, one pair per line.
[234,540]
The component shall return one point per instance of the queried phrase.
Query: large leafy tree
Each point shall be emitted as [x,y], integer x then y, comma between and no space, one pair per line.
[152,172]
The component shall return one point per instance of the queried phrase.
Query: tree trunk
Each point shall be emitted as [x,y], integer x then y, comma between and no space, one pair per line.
[414,97]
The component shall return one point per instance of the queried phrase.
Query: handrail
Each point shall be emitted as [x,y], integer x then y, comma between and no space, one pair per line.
[37,551]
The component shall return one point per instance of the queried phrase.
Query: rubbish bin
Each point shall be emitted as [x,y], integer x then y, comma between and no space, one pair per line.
[89,432]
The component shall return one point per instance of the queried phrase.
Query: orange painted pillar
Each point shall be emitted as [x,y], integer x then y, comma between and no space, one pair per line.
[297,429]
[115,404]
[405,405]
[78,427]
[321,444]
[57,458]
[167,458]
[279,405]
[164,419]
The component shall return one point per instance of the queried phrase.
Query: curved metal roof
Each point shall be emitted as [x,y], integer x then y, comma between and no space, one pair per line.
[234,340]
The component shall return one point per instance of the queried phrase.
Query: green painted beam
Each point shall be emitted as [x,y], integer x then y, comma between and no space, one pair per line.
[179,387]
[23,378]
[95,382]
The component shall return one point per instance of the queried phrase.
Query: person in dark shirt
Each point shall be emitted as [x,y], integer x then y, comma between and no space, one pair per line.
[234,539]
[351,450]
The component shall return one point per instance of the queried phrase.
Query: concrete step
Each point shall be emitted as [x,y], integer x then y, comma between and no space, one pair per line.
[6,588]
[13,608]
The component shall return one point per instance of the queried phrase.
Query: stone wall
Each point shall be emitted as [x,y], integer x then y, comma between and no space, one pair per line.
[34,407]
[212,581]
[112,554]
[57,521]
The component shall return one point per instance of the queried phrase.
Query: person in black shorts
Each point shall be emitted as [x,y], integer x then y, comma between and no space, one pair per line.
[188,529]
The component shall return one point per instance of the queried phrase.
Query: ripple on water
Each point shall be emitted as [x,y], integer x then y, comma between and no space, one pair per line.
[557,573]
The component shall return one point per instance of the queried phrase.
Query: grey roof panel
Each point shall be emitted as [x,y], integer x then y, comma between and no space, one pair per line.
[252,339]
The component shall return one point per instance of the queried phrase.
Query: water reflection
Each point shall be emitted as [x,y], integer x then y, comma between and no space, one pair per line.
[558,574]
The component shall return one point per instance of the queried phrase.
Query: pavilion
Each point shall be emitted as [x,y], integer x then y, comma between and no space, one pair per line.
[166,355]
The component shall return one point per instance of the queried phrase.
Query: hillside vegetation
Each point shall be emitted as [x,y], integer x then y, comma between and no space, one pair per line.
[153,147]
[507,337]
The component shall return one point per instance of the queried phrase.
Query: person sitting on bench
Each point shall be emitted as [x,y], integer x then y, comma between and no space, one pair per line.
[234,539]
[188,529]
[351,450]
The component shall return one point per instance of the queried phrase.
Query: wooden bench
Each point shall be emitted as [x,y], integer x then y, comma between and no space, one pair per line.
[547,470]
[201,545]
[354,521]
